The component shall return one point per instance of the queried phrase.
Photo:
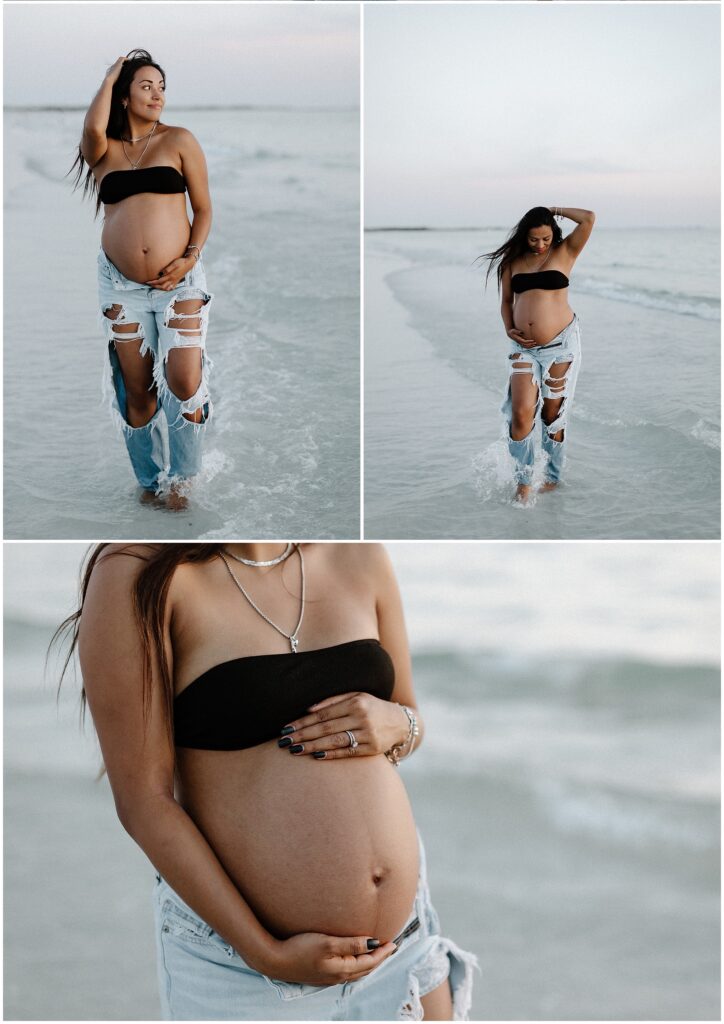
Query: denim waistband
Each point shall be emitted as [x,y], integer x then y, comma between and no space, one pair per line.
[561,336]
[202,977]
[421,921]
[196,277]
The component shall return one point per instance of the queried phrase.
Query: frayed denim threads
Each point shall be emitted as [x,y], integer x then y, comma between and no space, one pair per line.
[168,447]
[538,362]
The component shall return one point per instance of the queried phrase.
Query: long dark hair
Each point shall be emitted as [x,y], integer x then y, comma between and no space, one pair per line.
[150,592]
[516,244]
[117,118]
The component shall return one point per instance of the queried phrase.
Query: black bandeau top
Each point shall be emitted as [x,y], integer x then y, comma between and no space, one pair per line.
[550,280]
[248,701]
[118,185]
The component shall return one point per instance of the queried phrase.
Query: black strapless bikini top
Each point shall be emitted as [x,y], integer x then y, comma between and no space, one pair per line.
[248,701]
[550,280]
[118,185]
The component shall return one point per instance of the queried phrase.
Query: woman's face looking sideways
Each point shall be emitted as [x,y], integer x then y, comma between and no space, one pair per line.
[146,96]
[539,239]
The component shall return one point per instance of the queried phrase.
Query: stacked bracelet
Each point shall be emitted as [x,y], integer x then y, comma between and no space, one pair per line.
[397,752]
[196,255]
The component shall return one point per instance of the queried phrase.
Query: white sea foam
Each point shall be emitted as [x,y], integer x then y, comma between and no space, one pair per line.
[703,431]
[671,302]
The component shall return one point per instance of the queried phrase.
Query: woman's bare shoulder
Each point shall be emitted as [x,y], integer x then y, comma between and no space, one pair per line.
[120,563]
[360,558]
[184,139]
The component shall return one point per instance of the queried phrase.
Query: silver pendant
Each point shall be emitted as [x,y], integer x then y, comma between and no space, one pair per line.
[295,643]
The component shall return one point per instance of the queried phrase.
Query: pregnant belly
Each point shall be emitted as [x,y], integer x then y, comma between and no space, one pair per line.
[145,232]
[541,315]
[312,846]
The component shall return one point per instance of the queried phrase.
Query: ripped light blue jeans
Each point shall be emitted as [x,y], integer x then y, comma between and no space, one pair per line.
[538,362]
[168,447]
[202,977]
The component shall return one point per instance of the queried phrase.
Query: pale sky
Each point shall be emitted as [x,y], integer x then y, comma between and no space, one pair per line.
[475,113]
[222,54]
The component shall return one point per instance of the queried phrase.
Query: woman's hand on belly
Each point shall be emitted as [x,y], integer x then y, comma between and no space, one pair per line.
[520,339]
[314,959]
[172,273]
[377,725]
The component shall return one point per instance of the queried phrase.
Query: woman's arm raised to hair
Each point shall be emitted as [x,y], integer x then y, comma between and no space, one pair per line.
[584,219]
[94,142]
[139,758]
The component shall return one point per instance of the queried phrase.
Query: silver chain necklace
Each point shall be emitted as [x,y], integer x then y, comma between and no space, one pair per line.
[272,561]
[292,637]
[134,167]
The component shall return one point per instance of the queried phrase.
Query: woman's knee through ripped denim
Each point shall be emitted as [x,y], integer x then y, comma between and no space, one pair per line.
[168,446]
[202,977]
[540,364]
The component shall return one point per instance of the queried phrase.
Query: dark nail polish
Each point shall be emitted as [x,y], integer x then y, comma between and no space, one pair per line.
[296,749]
[372,943]
[287,729]
[285,742]
[319,754]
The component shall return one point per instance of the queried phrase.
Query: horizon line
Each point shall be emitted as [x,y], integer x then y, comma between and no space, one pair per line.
[37,108]
[496,227]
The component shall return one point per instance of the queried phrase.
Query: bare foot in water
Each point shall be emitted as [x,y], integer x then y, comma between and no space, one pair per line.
[549,485]
[150,498]
[176,501]
[523,495]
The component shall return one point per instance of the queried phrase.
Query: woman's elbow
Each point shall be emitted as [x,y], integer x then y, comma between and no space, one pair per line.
[135,812]
[93,132]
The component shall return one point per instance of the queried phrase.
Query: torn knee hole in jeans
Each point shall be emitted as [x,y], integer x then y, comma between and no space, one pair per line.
[193,401]
[120,329]
[188,316]
[556,421]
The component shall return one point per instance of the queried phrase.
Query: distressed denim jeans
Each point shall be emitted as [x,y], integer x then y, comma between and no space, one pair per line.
[202,977]
[538,362]
[168,448]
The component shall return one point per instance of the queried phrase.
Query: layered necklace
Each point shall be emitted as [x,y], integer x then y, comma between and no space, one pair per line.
[147,137]
[292,637]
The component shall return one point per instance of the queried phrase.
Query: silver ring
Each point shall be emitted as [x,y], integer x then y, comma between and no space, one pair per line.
[352,739]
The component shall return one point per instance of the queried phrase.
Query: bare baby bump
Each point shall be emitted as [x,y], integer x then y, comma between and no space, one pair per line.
[145,232]
[541,315]
[312,846]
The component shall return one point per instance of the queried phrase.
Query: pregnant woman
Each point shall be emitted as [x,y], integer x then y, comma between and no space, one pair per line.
[533,267]
[154,306]
[252,702]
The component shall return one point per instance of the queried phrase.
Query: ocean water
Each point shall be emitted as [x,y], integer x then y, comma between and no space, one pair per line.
[282,456]
[567,789]
[645,434]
